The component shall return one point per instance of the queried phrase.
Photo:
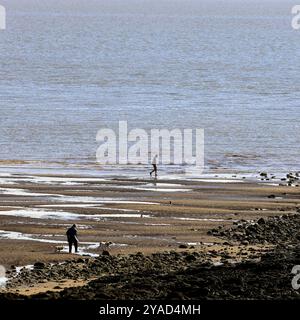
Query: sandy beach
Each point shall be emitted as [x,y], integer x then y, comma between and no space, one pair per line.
[164,135]
[138,216]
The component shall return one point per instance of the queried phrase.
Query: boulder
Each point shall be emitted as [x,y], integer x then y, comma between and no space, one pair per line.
[39,265]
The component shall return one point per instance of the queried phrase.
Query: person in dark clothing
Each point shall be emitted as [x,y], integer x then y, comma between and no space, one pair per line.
[154,164]
[72,238]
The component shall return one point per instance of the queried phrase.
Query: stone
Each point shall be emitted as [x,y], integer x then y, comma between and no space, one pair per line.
[183,246]
[263,174]
[261,221]
[39,265]
[190,258]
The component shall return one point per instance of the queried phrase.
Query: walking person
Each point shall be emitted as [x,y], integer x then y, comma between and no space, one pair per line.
[154,164]
[72,238]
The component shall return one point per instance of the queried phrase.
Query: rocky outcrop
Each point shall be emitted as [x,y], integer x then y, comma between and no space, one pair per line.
[273,230]
[265,280]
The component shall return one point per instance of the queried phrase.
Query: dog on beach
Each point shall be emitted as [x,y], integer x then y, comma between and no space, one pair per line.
[59,248]
[104,246]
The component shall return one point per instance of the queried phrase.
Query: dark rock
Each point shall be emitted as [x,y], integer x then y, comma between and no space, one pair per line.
[190,258]
[183,246]
[245,242]
[263,174]
[261,221]
[80,260]
[39,265]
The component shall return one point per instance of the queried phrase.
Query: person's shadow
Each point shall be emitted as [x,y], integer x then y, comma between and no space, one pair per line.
[154,182]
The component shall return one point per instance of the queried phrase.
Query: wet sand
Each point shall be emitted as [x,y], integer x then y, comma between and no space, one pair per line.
[135,215]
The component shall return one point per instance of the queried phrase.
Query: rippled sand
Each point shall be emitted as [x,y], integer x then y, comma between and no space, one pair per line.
[135,215]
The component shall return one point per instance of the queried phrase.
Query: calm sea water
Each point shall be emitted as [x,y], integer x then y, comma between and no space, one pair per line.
[68,69]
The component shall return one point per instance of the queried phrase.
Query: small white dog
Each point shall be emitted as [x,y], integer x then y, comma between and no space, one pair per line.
[105,245]
[59,248]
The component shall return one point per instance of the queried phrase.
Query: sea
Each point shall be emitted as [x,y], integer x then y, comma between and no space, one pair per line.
[70,68]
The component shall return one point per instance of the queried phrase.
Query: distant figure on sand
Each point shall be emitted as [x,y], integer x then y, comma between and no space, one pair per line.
[72,238]
[154,164]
